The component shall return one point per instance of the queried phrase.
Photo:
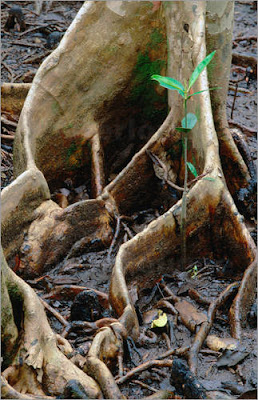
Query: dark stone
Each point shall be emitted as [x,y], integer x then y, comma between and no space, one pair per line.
[53,39]
[86,307]
[185,382]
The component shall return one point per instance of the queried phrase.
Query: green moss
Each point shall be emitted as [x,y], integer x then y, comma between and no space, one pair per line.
[69,126]
[156,38]
[143,93]
[55,107]
[77,155]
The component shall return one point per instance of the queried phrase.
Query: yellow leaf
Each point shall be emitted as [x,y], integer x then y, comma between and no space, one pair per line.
[160,321]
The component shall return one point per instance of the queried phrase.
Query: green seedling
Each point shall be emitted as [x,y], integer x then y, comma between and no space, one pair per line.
[194,272]
[187,124]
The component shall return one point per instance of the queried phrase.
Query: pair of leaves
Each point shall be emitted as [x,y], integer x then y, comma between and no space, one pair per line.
[173,84]
[188,123]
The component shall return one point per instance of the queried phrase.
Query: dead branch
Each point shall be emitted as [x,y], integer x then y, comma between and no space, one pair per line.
[143,367]
[157,161]
[56,314]
[145,386]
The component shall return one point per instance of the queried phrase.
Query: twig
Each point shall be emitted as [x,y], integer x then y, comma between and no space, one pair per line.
[33,29]
[206,326]
[55,313]
[130,234]
[36,58]
[199,177]
[157,161]
[234,100]
[143,367]
[16,42]
[17,77]
[7,68]
[144,385]
[114,238]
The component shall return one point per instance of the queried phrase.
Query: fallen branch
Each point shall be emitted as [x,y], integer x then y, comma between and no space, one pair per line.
[37,58]
[143,367]
[206,325]
[8,69]
[18,43]
[56,314]
[33,29]
[157,161]
[145,386]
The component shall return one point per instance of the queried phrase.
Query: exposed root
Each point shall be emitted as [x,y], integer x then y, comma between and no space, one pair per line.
[206,326]
[8,392]
[243,301]
[39,365]
[105,348]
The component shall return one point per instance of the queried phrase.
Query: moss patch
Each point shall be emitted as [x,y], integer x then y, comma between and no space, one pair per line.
[143,93]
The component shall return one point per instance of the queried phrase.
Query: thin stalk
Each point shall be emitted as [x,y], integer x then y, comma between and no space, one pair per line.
[183,211]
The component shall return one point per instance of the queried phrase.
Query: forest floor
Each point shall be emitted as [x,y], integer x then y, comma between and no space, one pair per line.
[234,372]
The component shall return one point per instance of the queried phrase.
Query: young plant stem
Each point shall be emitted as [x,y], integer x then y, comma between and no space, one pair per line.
[183,210]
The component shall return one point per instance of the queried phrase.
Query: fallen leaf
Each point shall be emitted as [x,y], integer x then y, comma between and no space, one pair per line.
[161,321]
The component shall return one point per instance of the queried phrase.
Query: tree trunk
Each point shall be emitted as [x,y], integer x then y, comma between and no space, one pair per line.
[92,83]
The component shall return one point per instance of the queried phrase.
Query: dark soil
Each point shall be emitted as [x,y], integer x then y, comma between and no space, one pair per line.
[92,270]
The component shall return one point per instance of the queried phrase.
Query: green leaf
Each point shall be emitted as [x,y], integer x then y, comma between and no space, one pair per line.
[208,178]
[200,67]
[169,83]
[192,169]
[205,90]
[161,321]
[184,130]
[191,121]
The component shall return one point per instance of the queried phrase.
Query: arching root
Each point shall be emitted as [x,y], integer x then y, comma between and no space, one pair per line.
[106,346]
[243,300]
[39,367]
